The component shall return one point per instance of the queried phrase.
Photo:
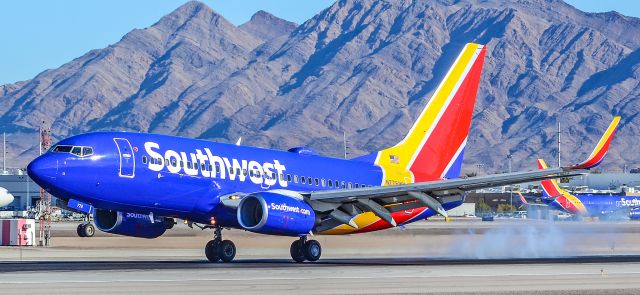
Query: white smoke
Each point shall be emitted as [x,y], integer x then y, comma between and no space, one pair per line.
[523,240]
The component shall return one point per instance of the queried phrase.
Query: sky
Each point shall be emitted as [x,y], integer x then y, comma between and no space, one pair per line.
[41,34]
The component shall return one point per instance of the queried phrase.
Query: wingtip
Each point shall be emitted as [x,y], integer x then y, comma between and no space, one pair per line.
[601,148]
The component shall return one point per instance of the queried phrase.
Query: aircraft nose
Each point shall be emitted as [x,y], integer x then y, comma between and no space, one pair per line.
[42,170]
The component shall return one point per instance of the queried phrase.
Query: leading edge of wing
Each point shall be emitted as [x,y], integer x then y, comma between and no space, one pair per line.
[463,184]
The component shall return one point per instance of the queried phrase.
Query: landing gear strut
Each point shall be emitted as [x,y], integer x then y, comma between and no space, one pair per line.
[218,249]
[302,250]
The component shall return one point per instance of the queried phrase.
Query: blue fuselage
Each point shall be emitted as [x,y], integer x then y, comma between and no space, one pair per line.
[184,178]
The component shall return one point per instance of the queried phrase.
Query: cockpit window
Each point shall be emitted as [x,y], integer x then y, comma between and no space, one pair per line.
[63,149]
[77,151]
[80,151]
[87,151]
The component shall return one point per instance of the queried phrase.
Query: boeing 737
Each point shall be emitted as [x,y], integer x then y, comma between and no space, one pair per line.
[589,204]
[139,183]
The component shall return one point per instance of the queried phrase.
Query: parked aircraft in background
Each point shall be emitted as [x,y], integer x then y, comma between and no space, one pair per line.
[138,183]
[5,197]
[606,206]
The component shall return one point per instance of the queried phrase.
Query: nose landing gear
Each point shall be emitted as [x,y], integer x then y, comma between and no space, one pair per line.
[219,249]
[86,229]
[302,250]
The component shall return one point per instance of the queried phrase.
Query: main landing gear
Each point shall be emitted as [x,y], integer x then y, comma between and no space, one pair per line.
[224,250]
[219,249]
[302,250]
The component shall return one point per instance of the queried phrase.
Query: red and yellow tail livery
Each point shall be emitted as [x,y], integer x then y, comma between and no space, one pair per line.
[434,147]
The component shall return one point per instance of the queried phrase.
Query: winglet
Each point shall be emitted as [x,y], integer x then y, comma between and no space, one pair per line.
[601,148]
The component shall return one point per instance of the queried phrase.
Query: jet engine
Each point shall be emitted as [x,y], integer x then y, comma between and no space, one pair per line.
[276,212]
[131,224]
[634,214]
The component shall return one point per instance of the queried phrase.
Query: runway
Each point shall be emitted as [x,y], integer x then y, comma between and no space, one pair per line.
[416,260]
[361,276]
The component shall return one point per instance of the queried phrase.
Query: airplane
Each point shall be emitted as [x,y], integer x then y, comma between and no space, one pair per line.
[140,183]
[588,204]
[5,197]
[581,205]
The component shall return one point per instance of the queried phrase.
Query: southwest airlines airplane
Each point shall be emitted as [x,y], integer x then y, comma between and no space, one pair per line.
[138,183]
[588,204]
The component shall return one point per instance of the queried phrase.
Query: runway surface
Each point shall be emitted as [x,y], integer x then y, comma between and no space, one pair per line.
[466,257]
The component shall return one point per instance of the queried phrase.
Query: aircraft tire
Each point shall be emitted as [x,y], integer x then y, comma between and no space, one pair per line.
[80,230]
[211,250]
[88,230]
[312,250]
[227,251]
[297,252]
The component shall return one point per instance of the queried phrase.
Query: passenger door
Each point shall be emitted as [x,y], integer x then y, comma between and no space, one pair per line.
[127,158]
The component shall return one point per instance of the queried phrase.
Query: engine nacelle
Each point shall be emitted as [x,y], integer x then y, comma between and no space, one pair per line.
[634,214]
[276,212]
[131,224]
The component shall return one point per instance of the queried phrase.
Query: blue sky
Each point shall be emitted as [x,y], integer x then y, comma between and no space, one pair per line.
[42,34]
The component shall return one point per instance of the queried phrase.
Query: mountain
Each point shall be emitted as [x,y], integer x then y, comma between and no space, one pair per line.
[361,67]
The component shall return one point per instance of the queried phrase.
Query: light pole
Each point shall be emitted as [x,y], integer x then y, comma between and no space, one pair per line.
[510,186]
[4,152]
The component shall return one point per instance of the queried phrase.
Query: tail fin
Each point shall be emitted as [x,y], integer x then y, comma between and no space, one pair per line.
[601,148]
[523,199]
[559,197]
[550,188]
[434,147]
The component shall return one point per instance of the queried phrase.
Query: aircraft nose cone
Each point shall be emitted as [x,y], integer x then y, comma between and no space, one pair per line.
[42,170]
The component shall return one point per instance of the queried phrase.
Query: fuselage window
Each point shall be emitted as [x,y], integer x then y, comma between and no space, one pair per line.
[237,171]
[288,177]
[166,162]
[204,168]
[210,167]
[282,177]
[324,183]
[144,159]
[244,171]
[251,173]
[302,180]
[350,185]
[273,175]
[174,163]
[337,184]
[309,180]
[356,185]
[217,168]
[317,182]
[295,178]
[330,183]
[344,185]
[189,165]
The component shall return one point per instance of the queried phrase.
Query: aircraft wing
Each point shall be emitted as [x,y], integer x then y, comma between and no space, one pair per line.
[431,194]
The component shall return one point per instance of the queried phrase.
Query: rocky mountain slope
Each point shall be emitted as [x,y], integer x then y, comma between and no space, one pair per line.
[361,67]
